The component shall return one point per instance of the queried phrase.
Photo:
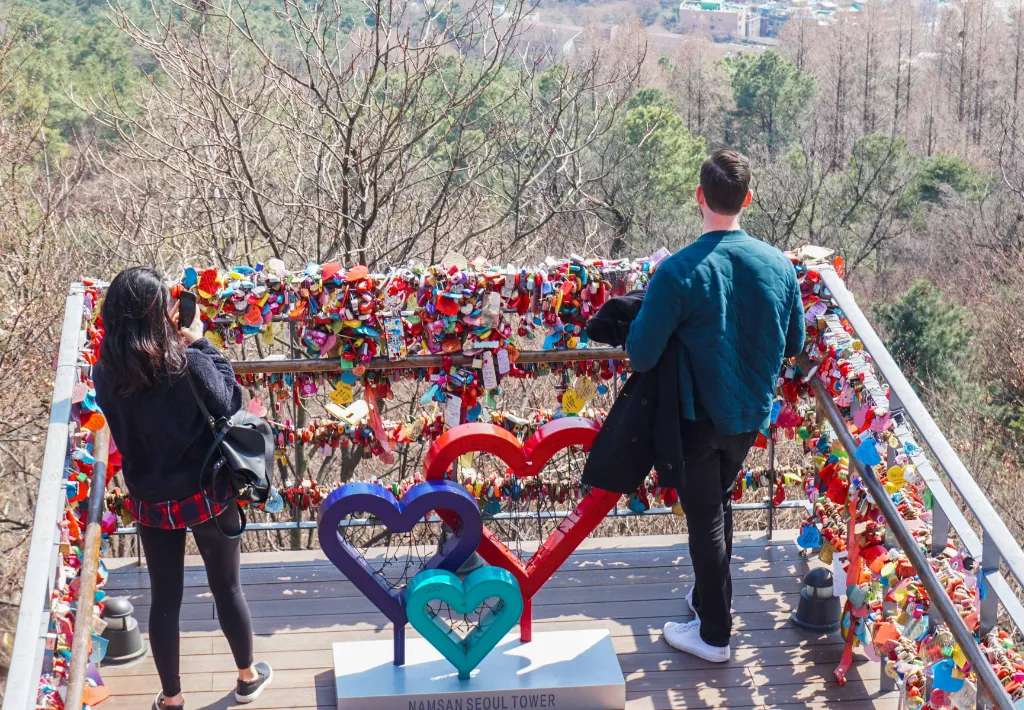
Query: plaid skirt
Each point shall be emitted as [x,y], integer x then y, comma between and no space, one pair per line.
[177,514]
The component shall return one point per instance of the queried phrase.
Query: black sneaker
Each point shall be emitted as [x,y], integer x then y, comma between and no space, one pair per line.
[247,691]
[159,704]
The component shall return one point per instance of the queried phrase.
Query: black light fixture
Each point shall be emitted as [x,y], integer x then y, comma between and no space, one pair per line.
[818,609]
[473,562]
[448,540]
[124,640]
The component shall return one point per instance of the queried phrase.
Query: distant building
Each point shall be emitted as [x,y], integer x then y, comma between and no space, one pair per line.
[721,20]
[771,16]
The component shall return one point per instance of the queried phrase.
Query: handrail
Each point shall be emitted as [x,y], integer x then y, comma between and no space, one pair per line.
[87,574]
[975,499]
[802,505]
[998,543]
[936,592]
[414,362]
[40,570]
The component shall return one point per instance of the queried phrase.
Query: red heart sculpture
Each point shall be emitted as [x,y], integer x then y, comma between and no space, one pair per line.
[523,461]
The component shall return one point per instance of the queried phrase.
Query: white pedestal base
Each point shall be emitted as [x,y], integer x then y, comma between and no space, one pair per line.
[564,670]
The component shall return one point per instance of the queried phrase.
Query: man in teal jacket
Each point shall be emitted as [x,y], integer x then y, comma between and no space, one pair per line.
[733,303]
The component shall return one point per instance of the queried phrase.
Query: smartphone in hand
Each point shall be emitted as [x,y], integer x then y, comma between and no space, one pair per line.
[186,309]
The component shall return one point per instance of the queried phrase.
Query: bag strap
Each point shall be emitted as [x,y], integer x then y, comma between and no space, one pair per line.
[243,522]
[241,517]
[218,438]
[202,405]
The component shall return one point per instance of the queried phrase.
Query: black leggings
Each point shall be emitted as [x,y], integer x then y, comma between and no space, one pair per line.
[165,558]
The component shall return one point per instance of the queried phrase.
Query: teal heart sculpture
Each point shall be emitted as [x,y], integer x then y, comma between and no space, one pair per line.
[464,596]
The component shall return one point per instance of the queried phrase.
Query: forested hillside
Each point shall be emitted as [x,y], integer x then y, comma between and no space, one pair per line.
[171,132]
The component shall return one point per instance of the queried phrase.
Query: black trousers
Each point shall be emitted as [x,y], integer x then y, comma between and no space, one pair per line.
[712,462]
[165,558]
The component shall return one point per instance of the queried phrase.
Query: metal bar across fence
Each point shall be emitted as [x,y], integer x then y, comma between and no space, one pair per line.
[541,515]
[415,362]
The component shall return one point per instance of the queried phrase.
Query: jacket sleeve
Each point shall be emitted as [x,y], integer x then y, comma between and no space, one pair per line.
[662,311]
[796,328]
[610,324]
[214,378]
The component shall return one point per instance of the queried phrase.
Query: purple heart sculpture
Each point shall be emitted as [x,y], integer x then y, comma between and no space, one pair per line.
[398,517]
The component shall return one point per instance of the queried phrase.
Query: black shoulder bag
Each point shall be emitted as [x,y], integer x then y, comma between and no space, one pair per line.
[245,443]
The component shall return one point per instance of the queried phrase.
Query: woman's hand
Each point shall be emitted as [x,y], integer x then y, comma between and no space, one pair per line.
[194,332]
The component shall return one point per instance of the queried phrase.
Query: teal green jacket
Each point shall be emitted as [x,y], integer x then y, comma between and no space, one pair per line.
[734,304]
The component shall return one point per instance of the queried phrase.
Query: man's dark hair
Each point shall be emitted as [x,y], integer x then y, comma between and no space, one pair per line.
[725,178]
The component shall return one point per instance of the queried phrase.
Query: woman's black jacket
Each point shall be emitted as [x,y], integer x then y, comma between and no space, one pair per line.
[642,430]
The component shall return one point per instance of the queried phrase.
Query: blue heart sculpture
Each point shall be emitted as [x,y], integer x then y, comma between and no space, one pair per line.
[464,596]
[397,516]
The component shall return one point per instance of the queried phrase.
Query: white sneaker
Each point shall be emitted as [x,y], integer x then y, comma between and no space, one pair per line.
[677,627]
[686,637]
[689,602]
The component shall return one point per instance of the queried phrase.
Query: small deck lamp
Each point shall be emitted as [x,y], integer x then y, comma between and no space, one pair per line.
[124,640]
[818,609]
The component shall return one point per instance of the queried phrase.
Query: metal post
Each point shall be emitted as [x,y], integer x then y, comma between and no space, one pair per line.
[940,529]
[989,565]
[771,483]
[300,454]
[886,681]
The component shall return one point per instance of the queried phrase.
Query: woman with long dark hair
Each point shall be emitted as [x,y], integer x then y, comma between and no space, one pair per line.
[142,385]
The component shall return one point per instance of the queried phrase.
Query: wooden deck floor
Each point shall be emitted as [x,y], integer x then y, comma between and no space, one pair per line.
[301,605]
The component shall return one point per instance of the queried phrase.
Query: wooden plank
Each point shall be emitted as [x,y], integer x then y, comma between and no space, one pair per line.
[283,622]
[590,601]
[308,696]
[635,653]
[258,567]
[597,545]
[742,565]
[673,695]
[213,642]
[720,677]
[888,701]
[672,700]
[813,683]
[579,582]
[287,584]
[300,609]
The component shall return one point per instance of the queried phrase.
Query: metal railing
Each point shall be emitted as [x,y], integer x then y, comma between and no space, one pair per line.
[525,357]
[997,546]
[415,362]
[33,637]
[87,576]
[30,640]
[767,505]
[936,593]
